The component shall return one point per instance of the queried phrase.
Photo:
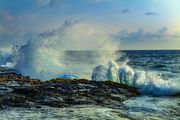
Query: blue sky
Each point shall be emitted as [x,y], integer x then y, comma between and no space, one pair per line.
[134,24]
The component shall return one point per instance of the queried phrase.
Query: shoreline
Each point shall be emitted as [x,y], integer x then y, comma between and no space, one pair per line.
[20,91]
[22,95]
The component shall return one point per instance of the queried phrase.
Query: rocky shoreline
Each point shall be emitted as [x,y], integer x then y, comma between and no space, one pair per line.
[19,91]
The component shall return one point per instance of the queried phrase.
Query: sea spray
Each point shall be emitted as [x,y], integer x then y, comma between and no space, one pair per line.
[106,72]
[47,55]
[150,83]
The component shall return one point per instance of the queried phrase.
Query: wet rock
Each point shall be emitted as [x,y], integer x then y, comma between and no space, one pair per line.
[4,89]
[26,92]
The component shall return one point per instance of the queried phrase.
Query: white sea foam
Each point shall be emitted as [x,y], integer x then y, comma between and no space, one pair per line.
[148,82]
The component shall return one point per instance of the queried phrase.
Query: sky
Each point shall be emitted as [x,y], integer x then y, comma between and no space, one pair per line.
[132,24]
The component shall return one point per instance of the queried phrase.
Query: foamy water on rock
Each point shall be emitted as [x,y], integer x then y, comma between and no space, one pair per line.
[140,108]
[148,107]
[73,113]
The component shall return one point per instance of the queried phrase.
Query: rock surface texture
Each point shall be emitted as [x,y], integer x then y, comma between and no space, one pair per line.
[19,91]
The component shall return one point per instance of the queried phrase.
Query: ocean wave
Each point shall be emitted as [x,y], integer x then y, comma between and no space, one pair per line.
[149,82]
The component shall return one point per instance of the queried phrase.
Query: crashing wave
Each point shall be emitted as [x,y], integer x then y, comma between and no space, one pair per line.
[148,82]
[109,72]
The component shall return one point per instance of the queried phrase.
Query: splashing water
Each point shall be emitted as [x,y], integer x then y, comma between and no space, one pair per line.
[147,82]
[47,55]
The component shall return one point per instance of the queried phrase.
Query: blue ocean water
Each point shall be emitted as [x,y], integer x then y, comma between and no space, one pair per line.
[166,62]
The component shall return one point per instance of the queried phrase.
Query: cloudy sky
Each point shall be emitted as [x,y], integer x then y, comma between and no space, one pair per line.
[134,24]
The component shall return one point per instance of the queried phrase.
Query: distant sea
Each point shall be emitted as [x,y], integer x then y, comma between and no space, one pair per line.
[165,62]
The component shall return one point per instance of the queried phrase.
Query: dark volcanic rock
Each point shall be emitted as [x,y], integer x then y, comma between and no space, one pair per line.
[19,91]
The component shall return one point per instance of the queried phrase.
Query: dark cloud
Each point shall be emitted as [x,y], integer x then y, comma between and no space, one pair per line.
[150,13]
[141,35]
[124,11]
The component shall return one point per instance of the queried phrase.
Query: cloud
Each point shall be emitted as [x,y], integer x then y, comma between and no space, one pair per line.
[151,13]
[125,11]
[141,39]
[141,35]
